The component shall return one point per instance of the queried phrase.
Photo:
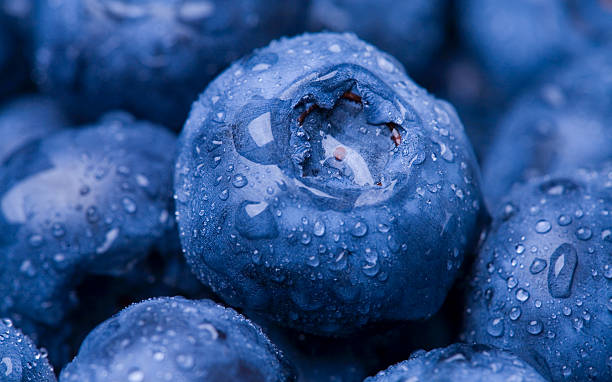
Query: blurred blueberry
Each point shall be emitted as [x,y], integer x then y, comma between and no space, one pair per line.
[26,119]
[593,18]
[411,31]
[150,57]
[20,360]
[514,40]
[564,123]
[541,284]
[460,363]
[79,202]
[318,186]
[174,339]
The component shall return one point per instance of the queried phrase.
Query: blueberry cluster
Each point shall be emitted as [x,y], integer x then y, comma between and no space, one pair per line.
[291,190]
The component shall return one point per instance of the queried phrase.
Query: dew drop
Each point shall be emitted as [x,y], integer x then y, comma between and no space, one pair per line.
[534,327]
[542,226]
[537,266]
[522,295]
[495,327]
[561,271]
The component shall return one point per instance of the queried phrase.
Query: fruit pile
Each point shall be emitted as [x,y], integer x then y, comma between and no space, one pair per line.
[291,190]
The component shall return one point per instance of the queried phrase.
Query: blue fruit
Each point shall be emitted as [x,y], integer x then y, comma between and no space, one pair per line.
[174,339]
[26,119]
[411,31]
[20,360]
[564,123]
[83,201]
[460,363]
[150,57]
[514,40]
[540,286]
[318,186]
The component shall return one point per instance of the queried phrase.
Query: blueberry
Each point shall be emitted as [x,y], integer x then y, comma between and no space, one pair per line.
[26,119]
[318,186]
[20,360]
[176,339]
[514,40]
[540,286]
[564,123]
[411,31]
[150,57]
[82,201]
[460,363]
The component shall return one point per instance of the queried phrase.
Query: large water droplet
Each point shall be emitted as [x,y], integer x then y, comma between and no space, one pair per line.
[561,271]
[239,181]
[584,233]
[359,229]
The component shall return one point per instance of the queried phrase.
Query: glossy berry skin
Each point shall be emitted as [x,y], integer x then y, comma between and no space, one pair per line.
[83,201]
[460,363]
[514,40]
[174,339]
[562,124]
[26,119]
[411,31]
[540,286]
[20,360]
[318,186]
[150,57]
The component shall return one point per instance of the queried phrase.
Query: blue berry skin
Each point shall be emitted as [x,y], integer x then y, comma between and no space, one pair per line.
[460,363]
[514,40]
[174,339]
[540,286]
[319,187]
[20,360]
[26,119]
[564,123]
[149,57]
[411,31]
[593,18]
[83,201]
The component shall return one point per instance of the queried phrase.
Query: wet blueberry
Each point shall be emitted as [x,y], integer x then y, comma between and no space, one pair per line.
[515,40]
[358,192]
[460,363]
[411,31]
[540,286]
[20,360]
[174,339]
[564,123]
[25,119]
[81,201]
[150,57]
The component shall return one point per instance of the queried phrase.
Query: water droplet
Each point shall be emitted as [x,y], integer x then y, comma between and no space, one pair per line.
[495,327]
[185,361]
[520,248]
[606,235]
[318,229]
[567,310]
[312,260]
[359,229]
[584,233]
[340,261]
[135,375]
[224,195]
[534,327]
[239,181]
[512,282]
[58,230]
[515,313]
[305,238]
[129,205]
[522,295]
[542,226]
[537,266]
[561,271]
[564,220]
